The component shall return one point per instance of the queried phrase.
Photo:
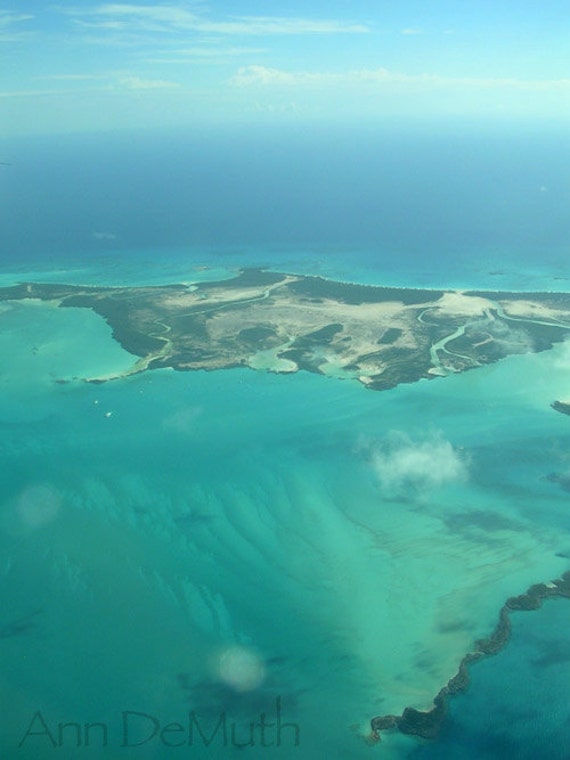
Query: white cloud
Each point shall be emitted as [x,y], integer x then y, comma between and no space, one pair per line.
[171,18]
[278,108]
[507,337]
[562,360]
[257,25]
[73,77]
[136,83]
[262,75]
[248,76]
[411,31]
[407,467]
[7,18]
[109,82]
[10,30]
[201,54]
[159,16]
[240,668]
[36,93]
[115,26]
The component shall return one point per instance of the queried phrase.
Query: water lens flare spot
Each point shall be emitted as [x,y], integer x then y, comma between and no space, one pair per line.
[38,506]
[240,668]
[183,421]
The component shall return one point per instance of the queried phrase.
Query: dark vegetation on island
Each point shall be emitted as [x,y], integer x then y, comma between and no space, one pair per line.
[543,338]
[314,323]
[248,278]
[355,294]
[402,366]
[561,406]
[427,724]
[392,334]
[559,299]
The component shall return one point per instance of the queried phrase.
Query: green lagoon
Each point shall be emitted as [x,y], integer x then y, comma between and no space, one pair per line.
[194,547]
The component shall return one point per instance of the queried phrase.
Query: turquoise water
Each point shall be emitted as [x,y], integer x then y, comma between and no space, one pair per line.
[488,269]
[225,542]
[517,703]
[233,543]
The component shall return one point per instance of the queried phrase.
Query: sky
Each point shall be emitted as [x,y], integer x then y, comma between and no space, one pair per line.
[82,66]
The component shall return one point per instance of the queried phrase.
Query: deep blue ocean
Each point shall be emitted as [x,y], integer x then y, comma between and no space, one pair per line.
[242,543]
[406,205]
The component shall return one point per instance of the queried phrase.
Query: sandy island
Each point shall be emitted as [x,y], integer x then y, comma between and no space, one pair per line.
[282,323]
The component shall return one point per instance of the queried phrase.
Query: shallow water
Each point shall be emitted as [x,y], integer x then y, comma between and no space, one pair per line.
[219,541]
[234,543]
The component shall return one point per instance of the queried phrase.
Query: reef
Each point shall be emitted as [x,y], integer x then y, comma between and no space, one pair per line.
[427,724]
[561,406]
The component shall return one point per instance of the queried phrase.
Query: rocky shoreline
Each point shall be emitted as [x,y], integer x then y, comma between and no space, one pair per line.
[561,406]
[426,724]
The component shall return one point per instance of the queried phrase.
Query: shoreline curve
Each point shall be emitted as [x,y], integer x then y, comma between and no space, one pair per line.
[426,724]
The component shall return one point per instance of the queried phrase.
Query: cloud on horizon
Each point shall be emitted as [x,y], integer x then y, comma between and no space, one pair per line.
[96,83]
[203,54]
[137,83]
[251,76]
